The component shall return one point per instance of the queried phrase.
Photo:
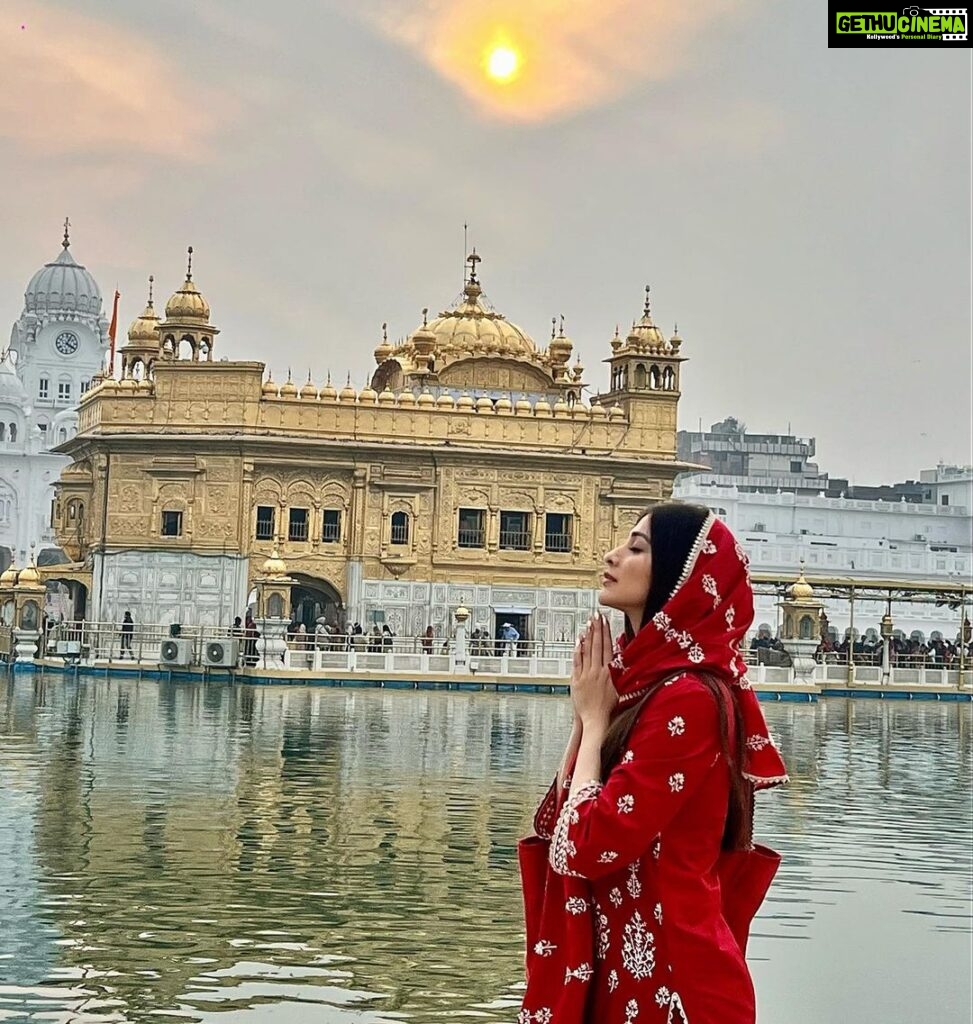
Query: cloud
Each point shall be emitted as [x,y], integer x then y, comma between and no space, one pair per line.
[575,54]
[76,85]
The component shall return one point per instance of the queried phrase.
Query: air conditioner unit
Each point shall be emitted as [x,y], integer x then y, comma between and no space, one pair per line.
[919,536]
[69,647]
[176,653]
[221,653]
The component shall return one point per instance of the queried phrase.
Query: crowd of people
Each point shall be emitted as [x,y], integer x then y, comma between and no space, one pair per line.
[911,652]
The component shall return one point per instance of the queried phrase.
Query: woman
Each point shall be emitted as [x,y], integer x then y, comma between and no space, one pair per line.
[638,889]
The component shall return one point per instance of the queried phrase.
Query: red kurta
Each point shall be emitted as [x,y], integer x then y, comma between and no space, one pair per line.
[635,867]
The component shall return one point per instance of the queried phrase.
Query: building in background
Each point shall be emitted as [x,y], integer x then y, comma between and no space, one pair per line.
[57,347]
[468,472]
[787,512]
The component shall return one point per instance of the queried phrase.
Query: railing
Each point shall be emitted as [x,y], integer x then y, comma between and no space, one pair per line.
[471,538]
[514,540]
[557,542]
[297,530]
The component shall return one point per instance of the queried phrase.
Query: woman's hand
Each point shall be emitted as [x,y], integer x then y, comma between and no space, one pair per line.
[592,690]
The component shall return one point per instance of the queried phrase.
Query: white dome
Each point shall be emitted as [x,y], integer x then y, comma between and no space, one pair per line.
[12,391]
[63,286]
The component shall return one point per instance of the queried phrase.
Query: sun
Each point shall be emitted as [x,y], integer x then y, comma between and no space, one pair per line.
[502,63]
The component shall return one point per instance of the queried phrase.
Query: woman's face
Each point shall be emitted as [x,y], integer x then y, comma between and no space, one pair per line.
[628,574]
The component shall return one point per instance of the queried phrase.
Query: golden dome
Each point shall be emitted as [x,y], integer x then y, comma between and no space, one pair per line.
[407,398]
[328,392]
[367,396]
[542,407]
[275,565]
[128,384]
[484,404]
[644,334]
[445,401]
[308,391]
[801,590]
[269,387]
[561,347]
[522,405]
[386,397]
[384,350]
[145,327]
[28,575]
[504,405]
[426,400]
[288,389]
[675,341]
[188,303]
[347,393]
[465,401]
[9,576]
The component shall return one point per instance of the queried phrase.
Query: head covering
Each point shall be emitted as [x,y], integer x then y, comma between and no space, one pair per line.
[699,629]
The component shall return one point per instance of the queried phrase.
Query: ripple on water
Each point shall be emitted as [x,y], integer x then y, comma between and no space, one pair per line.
[207,853]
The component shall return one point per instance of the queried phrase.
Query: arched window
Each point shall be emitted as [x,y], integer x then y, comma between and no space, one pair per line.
[13,431]
[3,431]
[640,376]
[186,349]
[169,347]
[668,378]
[807,627]
[400,528]
[44,388]
[654,378]
[62,435]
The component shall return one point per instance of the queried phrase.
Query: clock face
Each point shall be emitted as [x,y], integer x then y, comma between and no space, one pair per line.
[66,343]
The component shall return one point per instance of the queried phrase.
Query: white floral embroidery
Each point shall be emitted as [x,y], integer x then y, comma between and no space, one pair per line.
[633,884]
[696,654]
[685,639]
[638,948]
[741,554]
[604,936]
[631,1011]
[730,615]
[674,1006]
[583,972]
[709,548]
[662,996]
[758,742]
[657,913]
[626,804]
[562,848]
[709,585]
[575,905]
[615,897]
[662,620]
[607,857]
[628,757]
[612,980]
[677,726]
[676,781]
[542,1016]
[544,948]
[657,849]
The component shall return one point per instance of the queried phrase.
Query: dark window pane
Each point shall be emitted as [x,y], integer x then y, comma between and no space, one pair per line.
[400,528]
[171,524]
[471,533]
[297,524]
[331,526]
[557,532]
[265,522]
[515,531]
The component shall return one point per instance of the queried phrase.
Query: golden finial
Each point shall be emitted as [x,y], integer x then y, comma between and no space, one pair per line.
[151,282]
[647,289]
[553,327]
[425,316]
[473,259]
[348,381]
[385,332]
[561,332]
[288,375]
[189,265]
[309,375]
[67,240]
[329,378]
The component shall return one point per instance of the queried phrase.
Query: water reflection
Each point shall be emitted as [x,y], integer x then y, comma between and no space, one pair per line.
[205,853]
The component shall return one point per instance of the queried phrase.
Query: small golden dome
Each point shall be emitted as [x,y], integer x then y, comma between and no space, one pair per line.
[308,390]
[407,398]
[269,387]
[801,590]
[127,384]
[465,401]
[562,407]
[28,575]
[328,392]
[616,412]
[367,395]
[542,407]
[145,327]
[675,341]
[188,303]
[484,404]
[386,397]
[445,401]
[384,350]
[9,576]
[522,405]
[598,412]
[288,389]
[275,565]
[504,405]
[426,400]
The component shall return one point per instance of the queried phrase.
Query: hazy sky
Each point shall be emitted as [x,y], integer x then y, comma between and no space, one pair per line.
[803,213]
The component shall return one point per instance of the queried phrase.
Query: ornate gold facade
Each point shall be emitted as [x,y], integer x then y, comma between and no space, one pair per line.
[177,459]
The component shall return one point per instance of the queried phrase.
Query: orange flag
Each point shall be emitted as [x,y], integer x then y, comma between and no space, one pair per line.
[112,328]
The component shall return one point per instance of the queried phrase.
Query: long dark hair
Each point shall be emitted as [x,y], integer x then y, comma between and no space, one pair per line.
[673,532]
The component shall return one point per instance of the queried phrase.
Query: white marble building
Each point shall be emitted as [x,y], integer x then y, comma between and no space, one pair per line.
[57,345]
[837,536]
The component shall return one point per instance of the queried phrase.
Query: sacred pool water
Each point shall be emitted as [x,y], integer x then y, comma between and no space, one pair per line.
[251,855]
